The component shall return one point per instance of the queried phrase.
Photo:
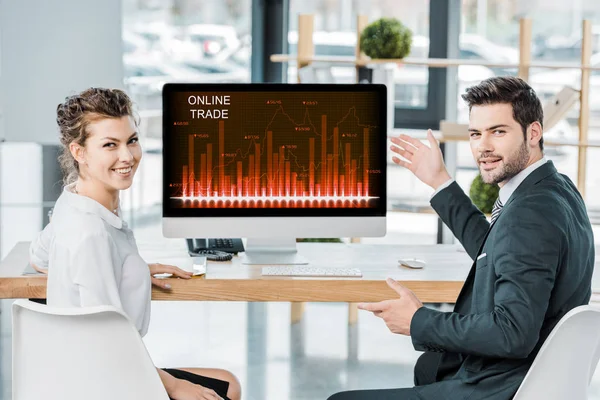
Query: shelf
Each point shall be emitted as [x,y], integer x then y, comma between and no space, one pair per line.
[431,62]
[549,142]
[411,205]
[420,205]
[422,135]
[306,56]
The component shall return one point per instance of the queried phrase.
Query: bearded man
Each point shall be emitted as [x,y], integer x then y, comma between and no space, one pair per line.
[532,260]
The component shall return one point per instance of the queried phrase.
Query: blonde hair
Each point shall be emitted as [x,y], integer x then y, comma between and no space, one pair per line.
[77,112]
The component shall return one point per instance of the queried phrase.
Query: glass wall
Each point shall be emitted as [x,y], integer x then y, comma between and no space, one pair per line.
[335,35]
[490,32]
[210,41]
[204,41]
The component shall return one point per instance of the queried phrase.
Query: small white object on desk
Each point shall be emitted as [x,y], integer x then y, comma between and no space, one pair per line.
[198,268]
[199,265]
[412,263]
[302,270]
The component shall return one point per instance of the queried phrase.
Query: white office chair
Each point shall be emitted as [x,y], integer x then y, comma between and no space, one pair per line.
[567,360]
[80,353]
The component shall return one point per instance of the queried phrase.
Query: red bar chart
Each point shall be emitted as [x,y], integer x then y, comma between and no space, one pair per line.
[278,150]
[268,174]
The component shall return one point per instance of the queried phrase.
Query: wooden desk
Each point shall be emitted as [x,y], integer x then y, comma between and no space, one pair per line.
[439,282]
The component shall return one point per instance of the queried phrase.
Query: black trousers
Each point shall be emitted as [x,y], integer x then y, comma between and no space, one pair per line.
[425,373]
[426,368]
[220,387]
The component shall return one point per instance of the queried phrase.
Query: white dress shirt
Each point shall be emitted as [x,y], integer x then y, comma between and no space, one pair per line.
[92,259]
[513,183]
[509,187]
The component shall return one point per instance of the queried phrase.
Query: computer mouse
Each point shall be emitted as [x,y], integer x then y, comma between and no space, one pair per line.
[412,263]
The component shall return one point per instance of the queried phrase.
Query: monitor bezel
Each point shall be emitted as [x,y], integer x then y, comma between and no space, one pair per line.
[379,211]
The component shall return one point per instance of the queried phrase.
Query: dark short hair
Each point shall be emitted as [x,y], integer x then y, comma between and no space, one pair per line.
[526,106]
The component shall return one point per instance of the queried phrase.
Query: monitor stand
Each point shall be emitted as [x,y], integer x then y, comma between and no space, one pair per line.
[272,251]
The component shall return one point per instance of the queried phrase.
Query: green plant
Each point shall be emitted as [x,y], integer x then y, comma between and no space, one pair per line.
[386,38]
[483,194]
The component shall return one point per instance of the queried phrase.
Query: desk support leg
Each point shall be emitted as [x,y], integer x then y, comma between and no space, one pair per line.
[297,330]
[256,358]
[352,313]
[352,324]
[352,332]
[297,312]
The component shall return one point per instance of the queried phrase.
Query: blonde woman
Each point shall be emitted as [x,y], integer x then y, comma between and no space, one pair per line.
[88,251]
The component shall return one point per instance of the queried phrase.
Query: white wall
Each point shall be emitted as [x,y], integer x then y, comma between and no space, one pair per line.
[49,49]
[21,207]
[52,49]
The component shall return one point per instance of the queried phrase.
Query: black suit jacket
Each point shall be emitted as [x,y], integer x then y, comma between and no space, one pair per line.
[530,268]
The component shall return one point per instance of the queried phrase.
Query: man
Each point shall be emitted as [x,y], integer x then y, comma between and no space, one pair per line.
[532,263]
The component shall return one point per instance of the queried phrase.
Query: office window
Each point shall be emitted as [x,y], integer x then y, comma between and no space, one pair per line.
[490,32]
[183,41]
[176,41]
[335,35]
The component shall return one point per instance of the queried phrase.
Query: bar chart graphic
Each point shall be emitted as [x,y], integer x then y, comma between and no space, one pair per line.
[277,152]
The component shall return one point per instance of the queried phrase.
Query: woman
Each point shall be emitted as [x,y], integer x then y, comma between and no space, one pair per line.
[90,255]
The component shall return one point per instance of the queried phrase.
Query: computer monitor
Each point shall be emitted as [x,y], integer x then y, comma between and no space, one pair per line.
[274,162]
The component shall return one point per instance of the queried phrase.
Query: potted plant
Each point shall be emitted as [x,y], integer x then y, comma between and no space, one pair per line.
[483,195]
[386,38]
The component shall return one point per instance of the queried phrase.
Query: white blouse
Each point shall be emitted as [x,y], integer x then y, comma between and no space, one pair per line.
[92,259]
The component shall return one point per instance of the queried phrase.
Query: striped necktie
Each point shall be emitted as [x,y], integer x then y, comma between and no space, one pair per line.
[497,209]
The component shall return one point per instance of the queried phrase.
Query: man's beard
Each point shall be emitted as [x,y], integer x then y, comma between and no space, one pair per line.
[511,167]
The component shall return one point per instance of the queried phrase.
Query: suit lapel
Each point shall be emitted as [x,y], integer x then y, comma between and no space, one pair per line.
[536,176]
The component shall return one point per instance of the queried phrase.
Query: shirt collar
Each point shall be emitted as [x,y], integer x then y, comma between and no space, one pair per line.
[513,183]
[91,206]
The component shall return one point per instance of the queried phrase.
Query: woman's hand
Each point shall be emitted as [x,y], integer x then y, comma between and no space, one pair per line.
[39,269]
[185,390]
[170,269]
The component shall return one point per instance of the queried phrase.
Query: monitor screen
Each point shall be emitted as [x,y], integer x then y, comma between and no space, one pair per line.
[274,150]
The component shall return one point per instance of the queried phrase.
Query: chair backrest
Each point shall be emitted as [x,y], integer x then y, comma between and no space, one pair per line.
[90,353]
[567,360]
[557,107]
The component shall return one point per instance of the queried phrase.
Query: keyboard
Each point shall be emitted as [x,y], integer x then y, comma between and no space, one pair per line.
[302,270]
